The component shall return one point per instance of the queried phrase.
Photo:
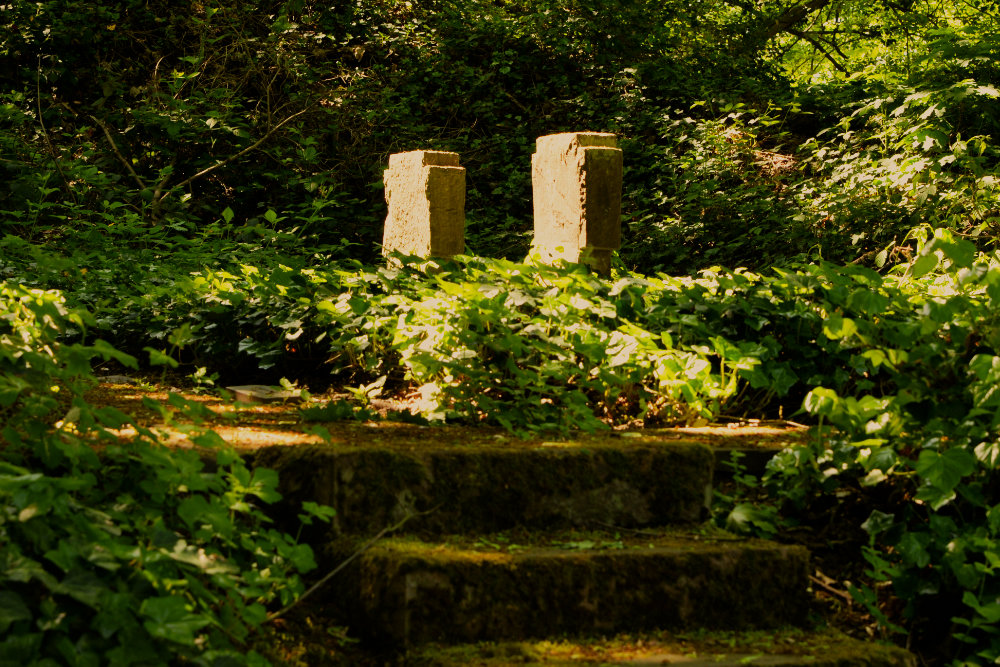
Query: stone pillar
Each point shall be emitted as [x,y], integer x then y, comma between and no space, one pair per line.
[576,179]
[425,191]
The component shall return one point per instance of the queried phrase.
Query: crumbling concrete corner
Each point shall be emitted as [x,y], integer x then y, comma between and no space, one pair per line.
[576,179]
[425,191]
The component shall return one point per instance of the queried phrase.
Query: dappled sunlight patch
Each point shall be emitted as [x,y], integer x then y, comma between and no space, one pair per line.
[256,425]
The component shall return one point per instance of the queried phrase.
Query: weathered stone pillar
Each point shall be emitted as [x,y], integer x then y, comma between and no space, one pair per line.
[425,191]
[576,180]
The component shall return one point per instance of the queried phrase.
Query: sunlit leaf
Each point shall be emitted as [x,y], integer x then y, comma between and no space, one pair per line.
[924,265]
[838,327]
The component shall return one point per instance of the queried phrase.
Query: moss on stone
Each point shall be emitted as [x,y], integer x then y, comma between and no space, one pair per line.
[477,490]
[412,591]
[787,646]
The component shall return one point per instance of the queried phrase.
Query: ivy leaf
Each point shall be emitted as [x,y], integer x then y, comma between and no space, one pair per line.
[321,512]
[106,350]
[878,522]
[169,618]
[111,417]
[945,468]
[962,253]
[942,471]
[989,611]
[746,518]
[867,301]
[924,265]
[782,379]
[839,327]
[265,485]
[158,358]
[255,614]
[821,401]
[988,453]
[12,609]
[913,548]
[196,512]
[302,557]
[83,586]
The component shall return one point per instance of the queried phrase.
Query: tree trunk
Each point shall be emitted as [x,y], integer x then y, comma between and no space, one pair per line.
[785,20]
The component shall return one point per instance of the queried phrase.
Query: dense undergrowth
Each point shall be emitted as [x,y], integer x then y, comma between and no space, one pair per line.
[122,552]
[901,366]
[203,190]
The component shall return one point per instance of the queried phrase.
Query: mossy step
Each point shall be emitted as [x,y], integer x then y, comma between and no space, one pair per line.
[610,481]
[407,591]
[789,647]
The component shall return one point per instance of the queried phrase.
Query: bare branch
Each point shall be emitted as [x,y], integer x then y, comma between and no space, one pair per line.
[819,47]
[121,158]
[45,132]
[235,156]
[785,21]
[363,548]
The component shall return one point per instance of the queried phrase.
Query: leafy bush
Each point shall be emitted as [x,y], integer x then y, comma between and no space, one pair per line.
[916,443]
[527,345]
[115,550]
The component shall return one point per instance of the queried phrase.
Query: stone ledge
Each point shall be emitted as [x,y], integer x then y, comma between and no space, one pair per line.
[407,592]
[489,489]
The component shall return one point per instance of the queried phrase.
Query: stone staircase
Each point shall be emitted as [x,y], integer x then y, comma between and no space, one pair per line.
[504,554]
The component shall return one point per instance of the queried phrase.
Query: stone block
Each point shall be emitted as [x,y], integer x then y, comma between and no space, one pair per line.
[411,592]
[425,191]
[576,179]
[634,483]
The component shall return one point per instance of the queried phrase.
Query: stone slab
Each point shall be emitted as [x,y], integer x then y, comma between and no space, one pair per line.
[409,592]
[485,489]
[262,393]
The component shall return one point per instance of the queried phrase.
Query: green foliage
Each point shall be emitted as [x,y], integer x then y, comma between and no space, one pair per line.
[208,186]
[271,123]
[335,411]
[530,346]
[743,510]
[292,107]
[902,366]
[917,443]
[114,550]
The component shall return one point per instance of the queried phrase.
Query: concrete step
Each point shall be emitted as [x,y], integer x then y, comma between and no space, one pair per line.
[627,482]
[501,587]
[788,647]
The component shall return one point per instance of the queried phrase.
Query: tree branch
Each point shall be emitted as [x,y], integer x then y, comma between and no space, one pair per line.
[235,156]
[365,547]
[788,18]
[121,158]
[45,132]
[819,47]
